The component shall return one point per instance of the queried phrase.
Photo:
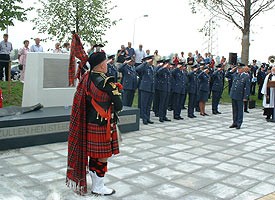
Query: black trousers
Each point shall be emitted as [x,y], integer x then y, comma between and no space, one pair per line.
[237,108]
[163,104]
[216,96]
[260,95]
[128,97]
[192,100]
[156,102]
[4,65]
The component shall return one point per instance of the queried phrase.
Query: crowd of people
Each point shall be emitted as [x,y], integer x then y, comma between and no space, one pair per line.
[6,49]
[166,83]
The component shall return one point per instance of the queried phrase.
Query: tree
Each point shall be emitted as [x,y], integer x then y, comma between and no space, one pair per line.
[89,18]
[240,13]
[10,11]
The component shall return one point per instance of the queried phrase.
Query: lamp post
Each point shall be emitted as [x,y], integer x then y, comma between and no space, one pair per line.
[135,27]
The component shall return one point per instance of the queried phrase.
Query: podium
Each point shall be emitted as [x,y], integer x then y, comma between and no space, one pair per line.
[271,85]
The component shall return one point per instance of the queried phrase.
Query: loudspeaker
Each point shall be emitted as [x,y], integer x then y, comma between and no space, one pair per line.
[232,59]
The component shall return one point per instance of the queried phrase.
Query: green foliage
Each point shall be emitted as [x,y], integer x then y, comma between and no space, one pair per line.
[10,11]
[89,18]
[14,97]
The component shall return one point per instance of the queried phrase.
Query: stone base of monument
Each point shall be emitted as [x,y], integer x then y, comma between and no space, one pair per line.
[50,125]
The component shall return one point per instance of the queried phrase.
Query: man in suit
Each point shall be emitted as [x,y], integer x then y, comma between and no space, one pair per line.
[146,87]
[192,90]
[179,89]
[217,88]
[260,79]
[164,77]
[111,68]
[129,81]
[239,93]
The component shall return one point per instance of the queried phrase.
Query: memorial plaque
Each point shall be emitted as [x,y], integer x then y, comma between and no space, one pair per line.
[55,73]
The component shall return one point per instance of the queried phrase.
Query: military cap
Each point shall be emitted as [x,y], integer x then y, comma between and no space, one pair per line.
[127,58]
[148,57]
[219,66]
[111,56]
[160,61]
[166,60]
[98,45]
[202,63]
[195,66]
[240,65]
[96,58]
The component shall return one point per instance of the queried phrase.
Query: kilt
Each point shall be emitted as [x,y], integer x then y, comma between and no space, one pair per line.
[97,147]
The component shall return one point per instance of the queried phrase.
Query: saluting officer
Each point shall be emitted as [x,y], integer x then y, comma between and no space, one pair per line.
[217,88]
[129,81]
[179,90]
[239,93]
[111,68]
[203,89]
[164,76]
[146,87]
[192,90]
[157,92]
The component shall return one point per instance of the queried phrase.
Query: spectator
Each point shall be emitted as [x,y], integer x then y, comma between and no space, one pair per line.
[36,47]
[182,58]
[5,50]
[157,57]
[121,54]
[140,54]
[147,52]
[22,57]
[66,47]
[57,48]
[131,51]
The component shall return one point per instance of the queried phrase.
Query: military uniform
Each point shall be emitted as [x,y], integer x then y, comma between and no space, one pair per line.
[179,91]
[217,89]
[240,90]
[164,79]
[192,92]
[129,82]
[146,87]
[112,71]
[156,99]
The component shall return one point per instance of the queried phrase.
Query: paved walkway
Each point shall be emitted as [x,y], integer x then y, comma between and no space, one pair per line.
[191,159]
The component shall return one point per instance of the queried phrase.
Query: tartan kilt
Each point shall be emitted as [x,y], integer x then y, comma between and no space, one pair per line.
[97,144]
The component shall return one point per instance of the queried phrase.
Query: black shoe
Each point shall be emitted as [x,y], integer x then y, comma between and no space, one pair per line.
[181,117]
[161,120]
[149,121]
[194,116]
[184,108]
[238,127]
[190,116]
[205,114]
[214,112]
[177,118]
[246,111]
[166,119]
[218,112]
[233,126]
[145,122]
[202,114]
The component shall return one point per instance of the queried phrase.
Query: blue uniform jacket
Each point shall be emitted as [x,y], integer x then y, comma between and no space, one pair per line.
[204,80]
[156,78]
[192,82]
[179,81]
[217,80]
[164,79]
[240,86]
[146,75]
[112,71]
[129,77]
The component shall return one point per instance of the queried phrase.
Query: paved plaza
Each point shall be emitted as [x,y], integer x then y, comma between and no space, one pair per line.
[190,159]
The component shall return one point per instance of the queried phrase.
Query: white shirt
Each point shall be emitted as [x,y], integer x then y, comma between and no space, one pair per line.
[36,48]
[139,55]
[272,93]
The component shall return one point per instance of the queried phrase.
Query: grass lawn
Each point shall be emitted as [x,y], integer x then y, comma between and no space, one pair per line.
[15,97]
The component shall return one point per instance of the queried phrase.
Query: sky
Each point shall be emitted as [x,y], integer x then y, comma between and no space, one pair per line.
[170,28]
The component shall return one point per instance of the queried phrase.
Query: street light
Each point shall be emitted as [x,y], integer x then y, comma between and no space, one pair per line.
[135,27]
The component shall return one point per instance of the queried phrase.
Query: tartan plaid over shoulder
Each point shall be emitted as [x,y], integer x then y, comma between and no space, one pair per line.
[77,51]
[77,141]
